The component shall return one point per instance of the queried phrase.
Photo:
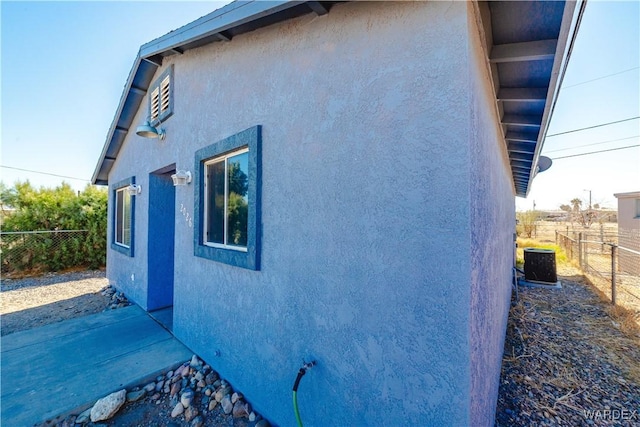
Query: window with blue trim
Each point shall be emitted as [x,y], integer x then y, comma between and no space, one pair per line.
[123,217]
[227,207]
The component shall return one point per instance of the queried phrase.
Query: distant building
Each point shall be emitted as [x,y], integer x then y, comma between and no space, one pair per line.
[629,231]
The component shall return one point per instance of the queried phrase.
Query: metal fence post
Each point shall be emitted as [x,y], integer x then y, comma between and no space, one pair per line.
[613,274]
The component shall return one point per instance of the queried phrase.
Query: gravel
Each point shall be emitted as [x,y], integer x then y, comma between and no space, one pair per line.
[566,361]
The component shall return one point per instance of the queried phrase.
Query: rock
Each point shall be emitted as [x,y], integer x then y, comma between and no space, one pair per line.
[235,397]
[186,398]
[226,404]
[177,410]
[84,417]
[150,387]
[194,361]
[190,413]
[222,392]
[208,390]
[197,421]
[199,376]
[159,385]
[217,383]
[134,396]
[263,423]
[175,388]
[69,421]
[241,409]
[156,396]
[211,378]
[202,384]
[212,404]
[106,407]
[167,388]
[169,375]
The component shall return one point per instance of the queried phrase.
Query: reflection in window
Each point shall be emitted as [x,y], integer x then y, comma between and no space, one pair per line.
[227,200]
[123,217]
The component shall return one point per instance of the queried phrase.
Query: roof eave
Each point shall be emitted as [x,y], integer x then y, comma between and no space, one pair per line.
[204,29]
[568,31]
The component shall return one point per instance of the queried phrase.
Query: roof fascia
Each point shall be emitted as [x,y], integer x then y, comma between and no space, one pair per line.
[229,16]
[112,129]
[567,37]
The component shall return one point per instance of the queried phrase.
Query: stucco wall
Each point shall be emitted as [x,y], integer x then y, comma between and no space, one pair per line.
[369,216]
[628,232]
[492,220]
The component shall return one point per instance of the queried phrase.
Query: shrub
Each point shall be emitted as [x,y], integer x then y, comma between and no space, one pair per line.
[47,209]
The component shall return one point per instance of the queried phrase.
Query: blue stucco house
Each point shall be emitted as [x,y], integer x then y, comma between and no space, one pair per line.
[335,181]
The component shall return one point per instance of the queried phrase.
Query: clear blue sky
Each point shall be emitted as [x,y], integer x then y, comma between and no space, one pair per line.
[64,65]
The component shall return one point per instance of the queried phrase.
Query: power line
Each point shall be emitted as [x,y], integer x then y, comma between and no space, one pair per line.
[596,152]
[595,143]
[600,78]
[595,126]
[44,173]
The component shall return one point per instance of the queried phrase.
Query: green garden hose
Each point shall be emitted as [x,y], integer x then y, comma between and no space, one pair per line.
[301,372]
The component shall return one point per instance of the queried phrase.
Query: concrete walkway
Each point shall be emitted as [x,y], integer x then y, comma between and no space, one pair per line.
[65,366]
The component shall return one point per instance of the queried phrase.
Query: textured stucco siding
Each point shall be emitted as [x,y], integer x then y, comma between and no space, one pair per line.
[628,232]
[492,220]
[369,218]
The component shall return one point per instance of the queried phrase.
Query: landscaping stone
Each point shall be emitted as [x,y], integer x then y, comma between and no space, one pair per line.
[177,410]
[106,407]
[134,396]
[186,398]
[227,406]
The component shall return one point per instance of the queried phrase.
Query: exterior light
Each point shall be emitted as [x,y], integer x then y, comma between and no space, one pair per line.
[147,131]
[134,189]
[181,178]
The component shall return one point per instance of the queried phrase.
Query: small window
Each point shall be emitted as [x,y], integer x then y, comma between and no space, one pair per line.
[123,217]
[123,212]
[227,207]
[161,97]
[637,208]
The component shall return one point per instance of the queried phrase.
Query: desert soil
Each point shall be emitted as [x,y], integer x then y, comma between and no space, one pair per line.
[37,301]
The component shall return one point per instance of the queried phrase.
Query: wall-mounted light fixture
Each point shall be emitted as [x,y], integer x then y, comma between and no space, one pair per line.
[147,131]
[181,178]
[134,189]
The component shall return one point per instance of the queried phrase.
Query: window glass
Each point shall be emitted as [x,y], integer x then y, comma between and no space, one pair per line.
[118,232]
[238,199]
[123,217]
[126,218]
[227,200]
[215,202]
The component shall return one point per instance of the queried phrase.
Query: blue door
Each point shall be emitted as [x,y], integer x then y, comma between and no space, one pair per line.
[162,205]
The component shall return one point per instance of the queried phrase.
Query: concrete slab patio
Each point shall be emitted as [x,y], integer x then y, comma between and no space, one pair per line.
[54,369]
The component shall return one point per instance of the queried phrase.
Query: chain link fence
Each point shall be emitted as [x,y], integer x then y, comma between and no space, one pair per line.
[613,268]
[32,252]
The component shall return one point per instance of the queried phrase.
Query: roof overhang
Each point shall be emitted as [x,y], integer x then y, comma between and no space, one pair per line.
[630,195]
[217,27]
[528,47]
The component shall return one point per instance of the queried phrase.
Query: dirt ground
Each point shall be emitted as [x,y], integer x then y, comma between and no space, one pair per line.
[37,301]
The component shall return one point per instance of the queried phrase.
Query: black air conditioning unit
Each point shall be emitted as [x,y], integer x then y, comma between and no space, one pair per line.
[540,265]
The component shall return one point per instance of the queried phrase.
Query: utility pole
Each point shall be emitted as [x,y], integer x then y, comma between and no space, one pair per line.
[589,199]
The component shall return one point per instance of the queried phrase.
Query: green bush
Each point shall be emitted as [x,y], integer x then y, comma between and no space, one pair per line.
[47,209]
